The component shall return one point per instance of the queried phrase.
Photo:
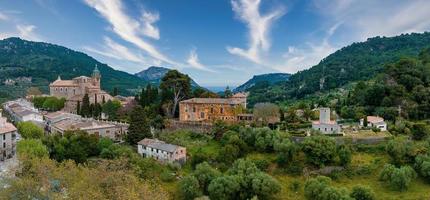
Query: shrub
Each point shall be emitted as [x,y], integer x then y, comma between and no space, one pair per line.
[29,130]
[189,187]
[167,176]
[362,193]
[295,186]
[262,164]
[398,178]
[319,150]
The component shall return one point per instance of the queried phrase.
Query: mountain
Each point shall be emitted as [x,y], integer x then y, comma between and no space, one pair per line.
[154,75]
[271,79]
[358,61]
[39,63]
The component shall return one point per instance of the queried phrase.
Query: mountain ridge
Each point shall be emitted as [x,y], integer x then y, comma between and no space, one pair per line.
[270,78]
[154,74]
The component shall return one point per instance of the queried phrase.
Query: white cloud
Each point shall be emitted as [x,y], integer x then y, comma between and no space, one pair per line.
[148,28]
[126,27]
[248,11]
[369,18]
[27,32]
[193,61]
[3,16]
[117,51]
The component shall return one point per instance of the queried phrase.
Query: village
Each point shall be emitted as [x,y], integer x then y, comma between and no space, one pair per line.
[194,114]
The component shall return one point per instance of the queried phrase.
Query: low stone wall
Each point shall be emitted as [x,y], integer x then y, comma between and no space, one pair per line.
[343,140]
[198,127]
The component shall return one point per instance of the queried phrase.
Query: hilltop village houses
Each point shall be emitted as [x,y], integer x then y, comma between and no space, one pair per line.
[212,109]
[21,110]
[7,138]
[161,151]
[325,124]
[59,122]
[74,90]
[374,121]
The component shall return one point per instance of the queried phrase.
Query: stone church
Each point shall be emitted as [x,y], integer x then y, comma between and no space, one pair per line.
[74,90]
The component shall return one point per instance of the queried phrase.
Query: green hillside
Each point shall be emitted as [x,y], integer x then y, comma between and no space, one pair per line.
[43,62]
[358,61]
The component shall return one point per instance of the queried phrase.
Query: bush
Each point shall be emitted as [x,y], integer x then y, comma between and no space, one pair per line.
[189,188]
[398,178]
[420,131]
[422,164]
[319,150]
[362,193]
[345,155]
[262,164]
[167,176]
[29,130]
[295,186]
[319,189]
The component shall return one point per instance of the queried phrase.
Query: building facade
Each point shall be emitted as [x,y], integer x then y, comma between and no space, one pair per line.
[212,109]
[161,151]
[60,122]
[325,124]
[74,90]
[375,121]
[21,110]
[7,138]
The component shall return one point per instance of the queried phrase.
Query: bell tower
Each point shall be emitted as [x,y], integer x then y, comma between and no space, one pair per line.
[96,76]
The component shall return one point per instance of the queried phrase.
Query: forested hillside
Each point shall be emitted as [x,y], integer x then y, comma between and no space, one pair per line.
[269,79]
[28,63]
[358,61]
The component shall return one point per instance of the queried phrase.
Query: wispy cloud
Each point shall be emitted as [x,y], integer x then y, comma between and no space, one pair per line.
[26,32]
[368,18]
[148,25]
[248,11]
[193,61]
[3,16]
[128,28]
[117,51]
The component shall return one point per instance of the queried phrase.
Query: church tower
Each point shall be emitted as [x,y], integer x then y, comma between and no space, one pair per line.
[96,76]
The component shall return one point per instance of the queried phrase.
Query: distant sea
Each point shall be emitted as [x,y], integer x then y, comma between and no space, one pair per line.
[217,88]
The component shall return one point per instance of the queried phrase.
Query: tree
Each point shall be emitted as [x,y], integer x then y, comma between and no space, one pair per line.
[319,150]
[345,155]
[227,92]
[85,107]
[398,178]
[97,110]
[139,126]
[319,189]
[224,188]
[115,91]
[401,150]
[29,130]
[110,108]
[205,174]
[179,85]
[78,108]
[420,131]
[362,193]
[189,187]
[422,164]
[266,113]
[31,148]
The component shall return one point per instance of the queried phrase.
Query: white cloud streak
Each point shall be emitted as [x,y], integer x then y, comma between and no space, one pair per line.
[193,61]
[148,25]
[3,17]
[248,11]
[128,28]
[117,51]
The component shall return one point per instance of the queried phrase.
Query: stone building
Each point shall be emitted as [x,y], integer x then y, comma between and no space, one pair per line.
[74,90]
[325,124]
[211,109]
[21,110]
[7,138]
[161,151]
[375,121]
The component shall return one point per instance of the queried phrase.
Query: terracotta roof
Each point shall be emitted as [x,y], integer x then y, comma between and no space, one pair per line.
[212,101]
[7,128]
[375,119]
[63,83]
[239,95]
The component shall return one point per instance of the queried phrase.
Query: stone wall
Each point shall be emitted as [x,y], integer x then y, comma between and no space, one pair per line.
[198,127]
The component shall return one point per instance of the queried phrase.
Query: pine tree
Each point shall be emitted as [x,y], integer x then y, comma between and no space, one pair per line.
[115,91]
[78,108]
[139,126]
[85,108]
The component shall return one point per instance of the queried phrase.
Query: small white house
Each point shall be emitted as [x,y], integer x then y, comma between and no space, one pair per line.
[324,124]
[164,152]
[375,121]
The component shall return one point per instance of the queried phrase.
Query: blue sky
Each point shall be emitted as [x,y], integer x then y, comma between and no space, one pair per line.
[216,42]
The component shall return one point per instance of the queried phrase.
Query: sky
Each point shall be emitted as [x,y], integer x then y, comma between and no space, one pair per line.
[216,42]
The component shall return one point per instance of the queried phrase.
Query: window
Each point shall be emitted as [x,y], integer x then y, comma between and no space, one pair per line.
[212,110]
[221,110]
[194,109]
[4,144]
[331,128]
[4,137]
[325,129]
[202,115]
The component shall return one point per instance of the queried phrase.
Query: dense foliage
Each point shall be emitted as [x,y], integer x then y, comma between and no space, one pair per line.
[48,103]
[358,61]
